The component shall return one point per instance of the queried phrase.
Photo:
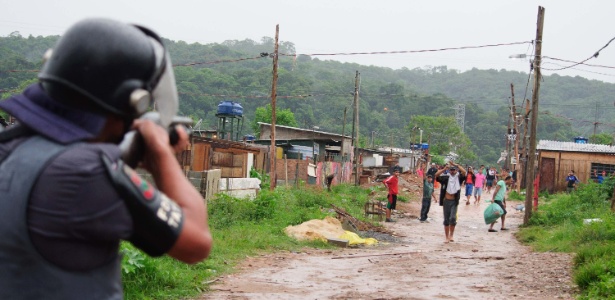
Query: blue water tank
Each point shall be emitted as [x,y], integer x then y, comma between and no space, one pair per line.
[230,108]
[225,107]
[237,109]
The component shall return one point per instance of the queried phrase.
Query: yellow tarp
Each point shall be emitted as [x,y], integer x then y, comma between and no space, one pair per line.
[327,228]
[355,239]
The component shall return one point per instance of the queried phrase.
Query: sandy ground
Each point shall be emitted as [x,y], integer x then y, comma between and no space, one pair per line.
[477,265]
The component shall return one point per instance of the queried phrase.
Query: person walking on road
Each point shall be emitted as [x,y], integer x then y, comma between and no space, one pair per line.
[391,184]
[478,185]
[470,180]
[427,195]
[491,173]
[499,198]
[451,185]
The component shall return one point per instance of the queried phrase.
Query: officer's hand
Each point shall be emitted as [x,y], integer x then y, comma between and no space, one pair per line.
[183,140]
[155,137]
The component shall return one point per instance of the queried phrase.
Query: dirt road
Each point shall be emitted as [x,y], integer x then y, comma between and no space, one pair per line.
[477,265]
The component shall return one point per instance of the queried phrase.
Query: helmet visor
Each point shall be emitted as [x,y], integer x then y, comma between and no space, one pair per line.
[164,90]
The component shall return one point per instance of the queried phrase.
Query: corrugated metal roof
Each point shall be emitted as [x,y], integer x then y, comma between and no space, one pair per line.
[574,147]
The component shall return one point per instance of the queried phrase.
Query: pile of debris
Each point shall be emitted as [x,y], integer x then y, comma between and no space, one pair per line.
[351,223]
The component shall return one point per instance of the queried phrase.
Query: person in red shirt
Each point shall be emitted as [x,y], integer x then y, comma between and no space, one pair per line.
[392,185]
[470,180]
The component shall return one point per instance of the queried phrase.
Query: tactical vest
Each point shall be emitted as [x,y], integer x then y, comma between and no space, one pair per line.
[24,273]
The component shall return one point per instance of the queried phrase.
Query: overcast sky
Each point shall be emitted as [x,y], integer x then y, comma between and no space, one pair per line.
[573,30]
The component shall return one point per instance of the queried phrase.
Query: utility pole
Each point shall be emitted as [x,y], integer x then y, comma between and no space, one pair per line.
[343,135]
[524,154]
[356,129]
[508,140]
[274,83]
[529,184]
[516,140]
[596,119]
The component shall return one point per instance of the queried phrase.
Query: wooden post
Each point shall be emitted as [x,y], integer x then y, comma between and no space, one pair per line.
[529,186]
[343,135]
[297,173]
[356,129]
[273,98]
[524,145]
[516,131]
[285,170]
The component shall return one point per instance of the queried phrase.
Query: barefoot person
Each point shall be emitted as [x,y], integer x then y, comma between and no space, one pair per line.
[499,198]
[451,185]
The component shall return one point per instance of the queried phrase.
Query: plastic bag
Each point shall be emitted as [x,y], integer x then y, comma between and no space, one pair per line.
[492,213]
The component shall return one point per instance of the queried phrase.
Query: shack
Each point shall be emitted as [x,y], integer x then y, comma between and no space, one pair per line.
[309,155]
[556,159]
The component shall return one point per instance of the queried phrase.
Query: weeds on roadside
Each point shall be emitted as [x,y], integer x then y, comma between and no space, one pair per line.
[513,195]
[240,228]
[580,222]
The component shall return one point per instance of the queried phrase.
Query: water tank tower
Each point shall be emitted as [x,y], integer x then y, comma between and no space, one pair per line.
[230,120]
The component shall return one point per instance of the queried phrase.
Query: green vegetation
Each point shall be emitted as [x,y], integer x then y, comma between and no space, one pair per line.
[318,92]
[580,223]
[240,228]
[265,114]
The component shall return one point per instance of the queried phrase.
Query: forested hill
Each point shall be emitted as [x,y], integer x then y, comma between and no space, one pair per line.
[318,91]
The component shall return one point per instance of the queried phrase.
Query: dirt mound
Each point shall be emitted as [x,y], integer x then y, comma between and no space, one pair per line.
[316,229]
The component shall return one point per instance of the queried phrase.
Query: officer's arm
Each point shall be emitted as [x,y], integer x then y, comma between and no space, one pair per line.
[194,241]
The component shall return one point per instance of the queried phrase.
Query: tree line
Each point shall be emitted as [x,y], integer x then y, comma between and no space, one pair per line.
[317,92]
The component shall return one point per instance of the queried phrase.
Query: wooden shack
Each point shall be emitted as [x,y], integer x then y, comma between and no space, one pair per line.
[556,159]
[234,159]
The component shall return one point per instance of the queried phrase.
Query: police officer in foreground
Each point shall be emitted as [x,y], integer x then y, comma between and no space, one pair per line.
[67,198]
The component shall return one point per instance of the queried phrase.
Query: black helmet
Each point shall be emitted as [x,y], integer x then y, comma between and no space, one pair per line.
[116,66]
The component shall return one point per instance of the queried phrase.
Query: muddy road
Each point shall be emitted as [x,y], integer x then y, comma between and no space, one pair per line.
[418,265]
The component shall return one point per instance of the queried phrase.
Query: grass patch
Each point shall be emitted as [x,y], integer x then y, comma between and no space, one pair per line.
[561,224]
[240,228]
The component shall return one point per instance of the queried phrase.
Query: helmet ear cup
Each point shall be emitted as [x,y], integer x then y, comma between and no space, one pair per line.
[132,95]
[140,100]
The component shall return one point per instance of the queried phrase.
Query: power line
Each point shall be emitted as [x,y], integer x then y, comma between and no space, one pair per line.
[262,55]
[580,63]
[582,70]
[408,51]
[595,55]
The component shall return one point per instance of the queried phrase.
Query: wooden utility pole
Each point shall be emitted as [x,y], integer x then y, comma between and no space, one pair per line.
[274,84]
[523,158]
[343,135]
[508,141]
[531,162]
[516,133]
[356,129]
[596,119]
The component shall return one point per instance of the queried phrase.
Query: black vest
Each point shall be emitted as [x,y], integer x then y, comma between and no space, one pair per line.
[24,273]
